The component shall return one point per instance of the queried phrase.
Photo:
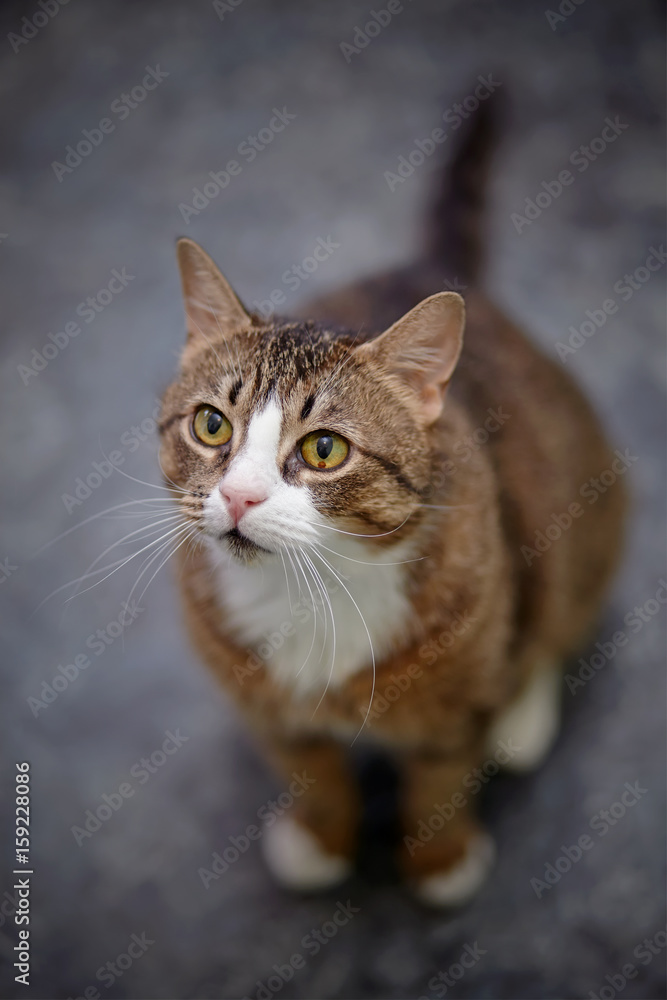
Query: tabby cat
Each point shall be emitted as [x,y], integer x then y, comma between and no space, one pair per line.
[377,559]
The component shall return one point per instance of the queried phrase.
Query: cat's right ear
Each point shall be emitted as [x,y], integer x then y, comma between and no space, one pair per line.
[212,309]
[422,349]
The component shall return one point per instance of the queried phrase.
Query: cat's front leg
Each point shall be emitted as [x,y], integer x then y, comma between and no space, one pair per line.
[311,845]
[446,855]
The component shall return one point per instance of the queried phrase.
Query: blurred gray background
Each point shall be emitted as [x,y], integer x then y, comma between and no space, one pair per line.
[323,176]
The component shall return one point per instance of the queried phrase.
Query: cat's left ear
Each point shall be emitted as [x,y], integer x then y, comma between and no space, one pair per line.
[422,349]
[211,307]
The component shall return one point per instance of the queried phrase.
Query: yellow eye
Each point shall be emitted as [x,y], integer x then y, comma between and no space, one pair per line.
[324,449]
[210,427]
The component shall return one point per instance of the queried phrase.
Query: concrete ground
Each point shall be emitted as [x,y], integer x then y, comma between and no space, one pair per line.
[62,233]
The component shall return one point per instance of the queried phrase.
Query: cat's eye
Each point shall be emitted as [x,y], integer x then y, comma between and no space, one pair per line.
[324,449]
[211,427]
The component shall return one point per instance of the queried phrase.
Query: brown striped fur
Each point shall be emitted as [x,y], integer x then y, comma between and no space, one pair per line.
[395,487]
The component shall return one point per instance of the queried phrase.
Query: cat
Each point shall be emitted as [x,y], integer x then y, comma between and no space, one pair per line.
[393,540]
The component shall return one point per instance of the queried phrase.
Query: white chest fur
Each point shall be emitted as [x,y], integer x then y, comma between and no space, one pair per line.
[318,642]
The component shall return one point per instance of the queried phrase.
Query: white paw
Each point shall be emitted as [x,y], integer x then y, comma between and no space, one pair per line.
[296,859]
[458,884]
[530,723]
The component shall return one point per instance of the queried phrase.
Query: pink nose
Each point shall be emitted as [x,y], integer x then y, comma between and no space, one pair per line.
[240,499]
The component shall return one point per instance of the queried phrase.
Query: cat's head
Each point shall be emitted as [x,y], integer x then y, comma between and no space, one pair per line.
[276,431]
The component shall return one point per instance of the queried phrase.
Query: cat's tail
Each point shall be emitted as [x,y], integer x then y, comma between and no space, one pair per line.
[455,225]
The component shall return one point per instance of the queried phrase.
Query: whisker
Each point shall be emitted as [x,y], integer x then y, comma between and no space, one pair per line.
[155,541]
[90,572]
[319,585]
[314,607]
[195,540]
[361,562]
[148,562]
[289,597]
[168,478]
[435,506]
[146,529]
[71,583]
[362,534]
[102,513]
[370,641]
[317,580]
[296,577]
[333,627]
[187,538]
[156,555]
[153,486]
[129,516]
